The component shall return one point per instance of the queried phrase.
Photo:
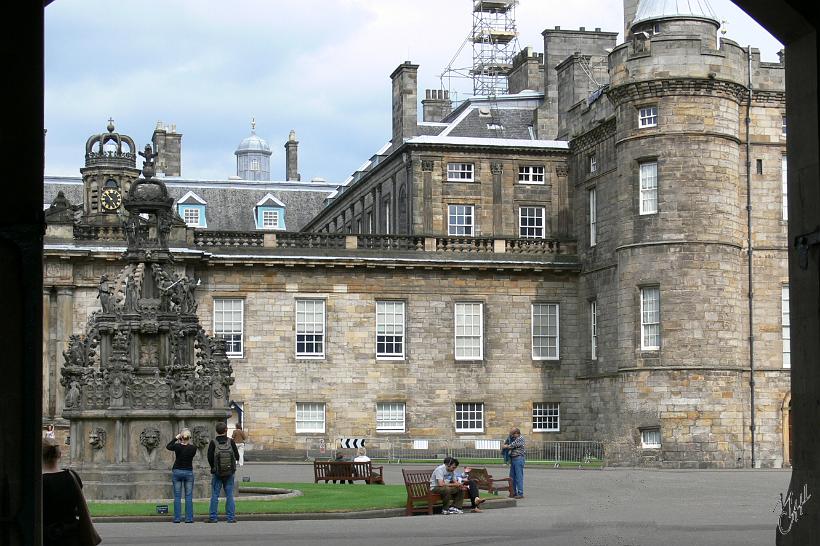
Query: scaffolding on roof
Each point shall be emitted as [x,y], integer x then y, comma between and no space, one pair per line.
[494,42]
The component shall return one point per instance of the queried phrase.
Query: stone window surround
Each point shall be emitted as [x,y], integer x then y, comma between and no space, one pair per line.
[468,411]
[479,336]
[545,412]
[534,228]
[525,170]
[785,325]
[557,336]
[218,324]
[454,170]
[592,200]
[323,335]
[784,201]
[310,409]
[392,356]
[593,329]
[643,293]
[473,225]
[650,437]
[641,191]
[395,406]
[648,115]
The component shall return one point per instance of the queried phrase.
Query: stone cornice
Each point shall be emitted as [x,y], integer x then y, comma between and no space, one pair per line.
[592,137]
[664,87]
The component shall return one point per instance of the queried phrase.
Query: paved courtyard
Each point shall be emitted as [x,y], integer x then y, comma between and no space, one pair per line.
[613,507]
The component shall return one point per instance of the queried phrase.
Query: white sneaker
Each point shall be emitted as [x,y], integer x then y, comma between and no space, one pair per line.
[454,510]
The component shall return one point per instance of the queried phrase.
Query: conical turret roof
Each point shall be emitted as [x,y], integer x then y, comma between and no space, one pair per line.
[649,10]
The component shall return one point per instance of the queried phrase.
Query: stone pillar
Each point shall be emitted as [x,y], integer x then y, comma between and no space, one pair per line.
[377,210]
[498,200]
[49,408]
[427,195]
[64,328]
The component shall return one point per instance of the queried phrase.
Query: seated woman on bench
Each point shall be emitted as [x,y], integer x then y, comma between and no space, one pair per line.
[464,478]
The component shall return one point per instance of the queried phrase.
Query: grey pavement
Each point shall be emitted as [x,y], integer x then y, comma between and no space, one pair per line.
[611,507]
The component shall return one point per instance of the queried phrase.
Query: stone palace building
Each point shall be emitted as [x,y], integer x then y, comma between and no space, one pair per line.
[599,254]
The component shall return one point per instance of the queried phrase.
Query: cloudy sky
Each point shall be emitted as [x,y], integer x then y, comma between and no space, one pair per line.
[320,67]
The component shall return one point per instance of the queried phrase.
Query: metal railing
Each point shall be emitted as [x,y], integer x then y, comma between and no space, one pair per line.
[397,450]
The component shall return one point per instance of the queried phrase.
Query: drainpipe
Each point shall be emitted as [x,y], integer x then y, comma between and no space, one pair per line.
[749,254]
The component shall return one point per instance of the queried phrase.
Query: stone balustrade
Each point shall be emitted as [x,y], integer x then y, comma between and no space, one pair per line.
[204,239]
[384,243]
[87,232]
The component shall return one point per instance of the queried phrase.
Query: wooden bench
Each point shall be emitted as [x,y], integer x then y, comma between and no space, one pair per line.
[347,471]
[485,480]
[417,483]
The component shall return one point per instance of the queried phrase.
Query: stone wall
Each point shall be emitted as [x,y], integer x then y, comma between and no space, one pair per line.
[350,380]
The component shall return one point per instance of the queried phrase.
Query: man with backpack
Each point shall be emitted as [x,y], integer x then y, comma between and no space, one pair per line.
[222,456]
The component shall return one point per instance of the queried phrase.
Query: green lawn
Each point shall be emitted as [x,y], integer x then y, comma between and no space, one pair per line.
[317,497]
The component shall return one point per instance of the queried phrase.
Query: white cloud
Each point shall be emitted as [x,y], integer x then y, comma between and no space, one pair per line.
[320,67]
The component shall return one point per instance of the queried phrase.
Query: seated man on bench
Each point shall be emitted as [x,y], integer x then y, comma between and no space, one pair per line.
[443,482]
[341,458]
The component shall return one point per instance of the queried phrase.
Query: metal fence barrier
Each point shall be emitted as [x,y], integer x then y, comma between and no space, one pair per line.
[399,450]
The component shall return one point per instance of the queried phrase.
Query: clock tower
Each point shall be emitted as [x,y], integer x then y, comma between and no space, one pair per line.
[110,169]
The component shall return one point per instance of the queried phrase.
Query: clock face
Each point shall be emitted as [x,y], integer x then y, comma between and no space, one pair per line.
[111,199]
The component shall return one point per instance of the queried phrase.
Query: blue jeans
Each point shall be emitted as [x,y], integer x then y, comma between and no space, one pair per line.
[217,484]
[183,478]
[517,474]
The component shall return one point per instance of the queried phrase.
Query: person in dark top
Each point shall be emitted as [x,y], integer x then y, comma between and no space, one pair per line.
[182,474]
[61,500]
[219,478]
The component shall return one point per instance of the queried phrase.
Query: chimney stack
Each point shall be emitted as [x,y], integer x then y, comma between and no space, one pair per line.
[436,105]
[168,146]
[405,100]
[292,157]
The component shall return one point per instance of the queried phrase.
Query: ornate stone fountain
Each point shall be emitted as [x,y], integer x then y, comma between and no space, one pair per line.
[145,368]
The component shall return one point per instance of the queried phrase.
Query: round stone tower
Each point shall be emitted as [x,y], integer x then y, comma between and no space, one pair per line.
[681,234]
[253,157]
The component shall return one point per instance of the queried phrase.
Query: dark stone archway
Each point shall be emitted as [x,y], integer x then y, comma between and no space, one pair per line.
[21,228]
[793,24]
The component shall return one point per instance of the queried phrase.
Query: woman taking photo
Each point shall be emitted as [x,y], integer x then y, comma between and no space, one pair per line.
[182,475]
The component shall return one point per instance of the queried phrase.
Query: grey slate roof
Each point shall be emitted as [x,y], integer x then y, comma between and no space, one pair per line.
[514,123]
[230,202]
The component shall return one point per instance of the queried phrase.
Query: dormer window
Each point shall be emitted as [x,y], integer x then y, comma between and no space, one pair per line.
[269,213]
[191,216]
[191,208]
[270,218]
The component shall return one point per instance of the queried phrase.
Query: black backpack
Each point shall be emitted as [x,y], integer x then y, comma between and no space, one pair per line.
[224,462]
